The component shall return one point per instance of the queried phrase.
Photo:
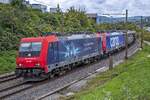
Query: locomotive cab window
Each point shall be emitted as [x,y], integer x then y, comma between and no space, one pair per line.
[30,49]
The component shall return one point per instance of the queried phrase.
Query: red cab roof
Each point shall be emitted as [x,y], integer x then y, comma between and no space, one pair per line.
[50,38]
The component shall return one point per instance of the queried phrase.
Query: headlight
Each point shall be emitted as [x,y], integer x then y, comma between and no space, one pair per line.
[37,65]
[20,65]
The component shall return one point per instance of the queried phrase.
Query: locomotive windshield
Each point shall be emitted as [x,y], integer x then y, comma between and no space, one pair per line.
[30,49]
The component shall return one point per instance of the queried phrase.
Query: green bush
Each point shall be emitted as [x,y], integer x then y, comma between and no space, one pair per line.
[7,61]
[18,22]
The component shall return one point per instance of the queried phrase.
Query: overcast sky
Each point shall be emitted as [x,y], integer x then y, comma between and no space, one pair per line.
[135,7]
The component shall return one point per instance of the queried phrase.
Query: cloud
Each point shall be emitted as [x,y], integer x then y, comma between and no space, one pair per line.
[135,7]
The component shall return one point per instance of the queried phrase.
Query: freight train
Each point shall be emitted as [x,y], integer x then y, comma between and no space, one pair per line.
[44,56]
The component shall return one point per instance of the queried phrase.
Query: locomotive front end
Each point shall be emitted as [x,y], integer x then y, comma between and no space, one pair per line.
[28,62]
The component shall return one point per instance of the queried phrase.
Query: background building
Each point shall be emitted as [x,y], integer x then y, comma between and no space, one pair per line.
[94,16]
[5,1]
[43,8]
[53,10]
[26,3]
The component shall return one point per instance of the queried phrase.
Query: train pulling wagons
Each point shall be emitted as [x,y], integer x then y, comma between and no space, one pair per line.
[44,56]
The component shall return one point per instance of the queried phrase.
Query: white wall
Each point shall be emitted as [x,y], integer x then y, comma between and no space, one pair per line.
[5,1]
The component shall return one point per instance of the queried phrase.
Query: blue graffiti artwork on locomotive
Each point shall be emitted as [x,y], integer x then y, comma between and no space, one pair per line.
[70,50]
[115,41]
[75,48]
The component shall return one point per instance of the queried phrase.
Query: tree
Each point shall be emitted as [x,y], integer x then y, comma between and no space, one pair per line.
[18,4]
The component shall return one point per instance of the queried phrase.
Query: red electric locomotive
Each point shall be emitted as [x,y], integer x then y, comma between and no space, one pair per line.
[31,60]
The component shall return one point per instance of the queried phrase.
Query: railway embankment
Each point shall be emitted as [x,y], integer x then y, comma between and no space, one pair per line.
[128,80]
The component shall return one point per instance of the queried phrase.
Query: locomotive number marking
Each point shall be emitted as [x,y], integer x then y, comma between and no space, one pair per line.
[114,41]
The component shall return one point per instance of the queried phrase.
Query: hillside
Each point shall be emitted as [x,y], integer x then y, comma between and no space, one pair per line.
[7,61]
[19,21]
[131,83]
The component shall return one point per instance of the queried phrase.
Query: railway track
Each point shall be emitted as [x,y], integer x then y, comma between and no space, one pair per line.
[6,75]
[9,82]
[29,91]
[7,78]
[9,85]
[67,85]
[19,87]
[14,89]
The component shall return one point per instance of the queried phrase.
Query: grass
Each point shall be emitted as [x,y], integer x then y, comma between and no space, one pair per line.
[146,36]
[127,81]
[7,61]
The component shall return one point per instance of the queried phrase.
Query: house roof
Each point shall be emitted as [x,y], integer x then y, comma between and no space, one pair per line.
[92,15]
